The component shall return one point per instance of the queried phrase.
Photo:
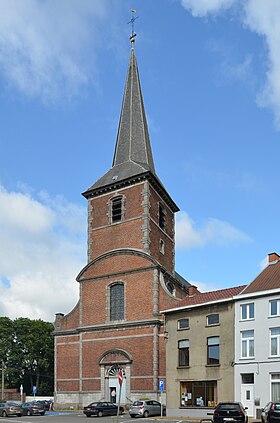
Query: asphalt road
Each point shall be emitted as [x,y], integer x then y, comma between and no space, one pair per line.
[79,417]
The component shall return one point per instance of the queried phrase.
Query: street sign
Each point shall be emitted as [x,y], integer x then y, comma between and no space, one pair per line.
[34,390]
[120,378]
[161,384]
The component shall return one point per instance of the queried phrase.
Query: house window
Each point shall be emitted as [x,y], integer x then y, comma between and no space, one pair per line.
[183,347]
[171,288]
[247,341]
[116,209]
[213,350]
[247,378]
[117,301]
[247,311]
[275,341]
[212,319]
[161,217]
[183,324]
[274,308]
[275,387]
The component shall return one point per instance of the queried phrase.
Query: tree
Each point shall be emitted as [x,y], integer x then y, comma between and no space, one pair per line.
[27,350]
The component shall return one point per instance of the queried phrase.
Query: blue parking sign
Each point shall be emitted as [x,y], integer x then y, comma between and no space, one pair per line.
[161,384]
[34,390]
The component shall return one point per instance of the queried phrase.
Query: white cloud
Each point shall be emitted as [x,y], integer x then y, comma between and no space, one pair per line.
[213,231]
[42,249]
[44,45]
[263,18]
[204,7]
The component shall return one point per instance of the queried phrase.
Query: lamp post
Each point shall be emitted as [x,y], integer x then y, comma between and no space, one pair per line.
[3,380]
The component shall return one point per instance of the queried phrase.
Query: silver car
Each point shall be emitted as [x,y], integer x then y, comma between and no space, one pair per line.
[10,409]
[147,408]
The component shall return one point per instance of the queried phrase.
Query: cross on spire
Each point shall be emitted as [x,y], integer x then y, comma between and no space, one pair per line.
[132,20]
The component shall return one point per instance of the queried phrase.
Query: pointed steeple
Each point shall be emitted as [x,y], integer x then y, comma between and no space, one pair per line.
[133,142]
[133,158]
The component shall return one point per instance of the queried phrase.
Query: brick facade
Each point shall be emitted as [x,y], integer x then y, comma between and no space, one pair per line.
[129,278]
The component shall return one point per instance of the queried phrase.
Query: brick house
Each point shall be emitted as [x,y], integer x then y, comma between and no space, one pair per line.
[129,277]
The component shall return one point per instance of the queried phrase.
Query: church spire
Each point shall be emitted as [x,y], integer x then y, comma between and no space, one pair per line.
[133,142]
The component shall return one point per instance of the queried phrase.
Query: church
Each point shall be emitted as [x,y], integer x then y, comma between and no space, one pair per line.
[129,277]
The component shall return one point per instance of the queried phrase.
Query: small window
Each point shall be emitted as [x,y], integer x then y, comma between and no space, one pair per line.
[183,347]
[213,319]
[161,217]
[213,350]
[171,288]
[161,246]
[183,324]
[117,301]
[247,311]
[274,308]
[116,209]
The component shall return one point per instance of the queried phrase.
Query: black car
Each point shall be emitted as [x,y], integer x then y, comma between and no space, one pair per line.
[102,409]
[271,413]
[31,408]
[230,412]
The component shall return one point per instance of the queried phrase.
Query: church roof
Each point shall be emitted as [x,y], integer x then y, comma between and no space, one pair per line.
[133,158]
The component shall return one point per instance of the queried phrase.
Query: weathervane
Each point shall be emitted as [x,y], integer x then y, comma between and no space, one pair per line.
[132,20]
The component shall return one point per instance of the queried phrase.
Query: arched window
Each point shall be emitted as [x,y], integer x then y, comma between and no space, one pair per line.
[117,209]
[117,301]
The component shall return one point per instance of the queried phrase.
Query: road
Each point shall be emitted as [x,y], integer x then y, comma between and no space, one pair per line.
[79,417]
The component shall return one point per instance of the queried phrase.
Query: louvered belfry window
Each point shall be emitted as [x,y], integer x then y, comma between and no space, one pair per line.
[117,302]
[116,209]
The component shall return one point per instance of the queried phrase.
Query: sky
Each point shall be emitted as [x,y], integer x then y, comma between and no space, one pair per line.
[210,76]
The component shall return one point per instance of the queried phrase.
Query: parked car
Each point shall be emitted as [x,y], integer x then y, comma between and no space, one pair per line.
[102,409]
[10,409]
[31,408]
[230,412]
[271,413]
[46,404]
[147,408]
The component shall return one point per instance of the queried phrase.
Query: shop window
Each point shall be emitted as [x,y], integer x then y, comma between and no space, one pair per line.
[117,301]
[192,393]
[213,350]
[247,344]
[183,324]
[247,311]
[212,319]
[184,352]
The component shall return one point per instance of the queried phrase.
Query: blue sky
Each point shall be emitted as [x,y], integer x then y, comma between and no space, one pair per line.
[209,71]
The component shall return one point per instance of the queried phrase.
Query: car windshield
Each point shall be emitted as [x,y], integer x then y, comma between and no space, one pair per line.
[137,403]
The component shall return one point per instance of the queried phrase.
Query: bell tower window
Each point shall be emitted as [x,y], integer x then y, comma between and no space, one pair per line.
[117,209]
[117,301]
[161,217]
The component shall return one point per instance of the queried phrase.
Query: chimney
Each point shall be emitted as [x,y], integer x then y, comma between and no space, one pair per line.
[273,257]
[192,290]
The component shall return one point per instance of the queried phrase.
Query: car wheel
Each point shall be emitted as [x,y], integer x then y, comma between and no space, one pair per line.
[146,414]
[88,415]
[100,414]
[43,413]
[132,416]
[164,412]
[4,414]
[28,413]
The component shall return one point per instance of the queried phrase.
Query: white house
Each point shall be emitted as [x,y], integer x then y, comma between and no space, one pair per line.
[257,340]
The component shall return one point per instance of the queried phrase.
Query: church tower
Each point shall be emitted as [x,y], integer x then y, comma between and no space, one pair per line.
[129,277]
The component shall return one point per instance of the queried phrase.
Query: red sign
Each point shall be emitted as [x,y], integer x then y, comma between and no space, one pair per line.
[120,377]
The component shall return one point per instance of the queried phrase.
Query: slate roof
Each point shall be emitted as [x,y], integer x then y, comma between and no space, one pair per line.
[207,297]
[268,279]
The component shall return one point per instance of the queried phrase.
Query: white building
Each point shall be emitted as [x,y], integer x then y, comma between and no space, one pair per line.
[257,340]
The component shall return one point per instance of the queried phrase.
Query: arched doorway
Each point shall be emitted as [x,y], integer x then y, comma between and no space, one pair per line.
[111,362]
